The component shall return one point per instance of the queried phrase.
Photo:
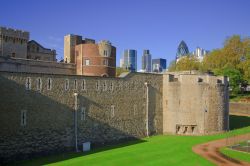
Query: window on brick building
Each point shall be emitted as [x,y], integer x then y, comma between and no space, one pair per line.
[87,62]
[105,52]
[49,84]
[13,54]
[66,85]
[105,62]
[28,83]
[39,84]
[23,117]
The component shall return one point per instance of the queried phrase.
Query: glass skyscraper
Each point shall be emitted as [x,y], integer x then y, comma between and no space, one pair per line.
[146,61]
[159,65]
[182,50]
[130,60]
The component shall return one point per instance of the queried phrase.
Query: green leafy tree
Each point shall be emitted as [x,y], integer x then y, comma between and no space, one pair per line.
[235,77]
[120,70]
[188,63]
[172,66]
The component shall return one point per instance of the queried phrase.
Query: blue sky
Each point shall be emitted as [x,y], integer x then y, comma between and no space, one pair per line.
[157,25]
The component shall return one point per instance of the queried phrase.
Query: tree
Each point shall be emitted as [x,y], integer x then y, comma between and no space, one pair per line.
[235,77]
[172,66]
[120,70]
[188,63]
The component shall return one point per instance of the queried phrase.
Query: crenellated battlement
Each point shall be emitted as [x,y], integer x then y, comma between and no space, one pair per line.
[14,33]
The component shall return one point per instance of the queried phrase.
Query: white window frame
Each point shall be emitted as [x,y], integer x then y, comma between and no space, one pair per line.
[105,86]
[39,86]
[66,84]
[28,86]
[83,113]
[49,84]
[105,62]
[84,86]
[105,53]
[23,118]
[111,86]
[75,84]
[98,85]
[112,111]
[86,62]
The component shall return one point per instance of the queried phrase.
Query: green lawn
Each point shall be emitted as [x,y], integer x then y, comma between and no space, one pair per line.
[156,150]
[236,154]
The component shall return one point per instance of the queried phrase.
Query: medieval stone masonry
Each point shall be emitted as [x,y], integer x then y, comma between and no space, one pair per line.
[37,110]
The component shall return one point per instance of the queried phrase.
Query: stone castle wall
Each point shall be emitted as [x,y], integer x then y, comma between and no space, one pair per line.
[13,42]
[37,111]
[239,108]
[35,66]
[194,104]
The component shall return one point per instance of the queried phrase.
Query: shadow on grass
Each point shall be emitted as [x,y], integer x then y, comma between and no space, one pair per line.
[237,122]
[70,155]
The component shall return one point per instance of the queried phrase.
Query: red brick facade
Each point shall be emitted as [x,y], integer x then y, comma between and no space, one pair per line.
[90,62]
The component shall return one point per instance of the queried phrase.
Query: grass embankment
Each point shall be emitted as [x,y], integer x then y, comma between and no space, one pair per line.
[244,97]
[156,150]
[236,154]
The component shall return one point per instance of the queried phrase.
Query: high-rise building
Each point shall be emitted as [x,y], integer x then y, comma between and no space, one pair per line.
[130,60]
[182,50]
[121,62]
[159,65]
[146,61]
[200,53]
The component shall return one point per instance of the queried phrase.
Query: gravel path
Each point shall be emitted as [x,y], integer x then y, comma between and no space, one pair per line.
[210,151]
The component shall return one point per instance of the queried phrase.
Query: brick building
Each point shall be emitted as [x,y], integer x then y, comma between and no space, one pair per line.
[96,59]
[92,59]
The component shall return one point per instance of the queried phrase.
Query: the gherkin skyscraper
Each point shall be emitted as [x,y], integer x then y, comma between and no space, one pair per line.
[182,50]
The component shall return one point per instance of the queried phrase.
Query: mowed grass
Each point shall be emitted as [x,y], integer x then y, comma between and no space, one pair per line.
[236,154]
[156,150]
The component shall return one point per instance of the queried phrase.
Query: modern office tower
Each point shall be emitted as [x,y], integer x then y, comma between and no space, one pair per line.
[121,62]
[159,65]
[70,41]
[146,61]
[200,53]
[130,60]
[182,50]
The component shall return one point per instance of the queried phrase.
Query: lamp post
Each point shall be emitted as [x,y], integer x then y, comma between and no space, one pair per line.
[75,118]
[146,84]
